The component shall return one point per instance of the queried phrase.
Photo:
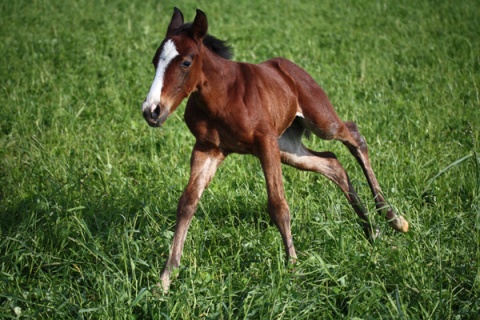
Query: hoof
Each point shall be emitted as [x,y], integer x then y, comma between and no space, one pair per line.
[371,232]
[399,223]
[164,284]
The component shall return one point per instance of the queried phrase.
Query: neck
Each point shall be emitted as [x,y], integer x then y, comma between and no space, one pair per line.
[214,79]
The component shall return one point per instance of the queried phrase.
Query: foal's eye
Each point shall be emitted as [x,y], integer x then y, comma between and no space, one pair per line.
[186,64]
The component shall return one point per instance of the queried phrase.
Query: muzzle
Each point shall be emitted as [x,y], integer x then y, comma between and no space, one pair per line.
[155,115]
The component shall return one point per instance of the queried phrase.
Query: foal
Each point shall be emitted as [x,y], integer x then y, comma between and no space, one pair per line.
[263,110]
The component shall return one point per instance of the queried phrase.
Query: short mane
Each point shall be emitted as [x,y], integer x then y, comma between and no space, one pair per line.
[217,46]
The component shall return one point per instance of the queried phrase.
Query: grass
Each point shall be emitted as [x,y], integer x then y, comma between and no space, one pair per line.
[88,191]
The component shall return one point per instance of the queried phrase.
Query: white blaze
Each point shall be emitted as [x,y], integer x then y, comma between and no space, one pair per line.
[168,53]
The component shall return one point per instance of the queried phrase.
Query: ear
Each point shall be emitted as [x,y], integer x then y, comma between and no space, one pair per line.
[200,25]
[177,20]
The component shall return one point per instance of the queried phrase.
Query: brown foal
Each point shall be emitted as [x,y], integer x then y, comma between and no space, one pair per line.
[260,109]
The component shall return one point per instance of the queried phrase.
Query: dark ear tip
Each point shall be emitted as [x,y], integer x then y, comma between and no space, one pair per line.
[177,20]
[200,25]
[177,11]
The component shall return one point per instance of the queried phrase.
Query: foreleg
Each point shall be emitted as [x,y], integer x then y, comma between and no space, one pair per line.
[269,155]
[204,163]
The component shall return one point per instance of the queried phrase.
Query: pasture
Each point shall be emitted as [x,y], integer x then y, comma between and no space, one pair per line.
[88,191]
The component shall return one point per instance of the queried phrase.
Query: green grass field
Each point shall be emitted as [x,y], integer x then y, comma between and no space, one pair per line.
[88,191]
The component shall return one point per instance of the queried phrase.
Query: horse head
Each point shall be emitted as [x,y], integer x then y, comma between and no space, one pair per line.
[178,67]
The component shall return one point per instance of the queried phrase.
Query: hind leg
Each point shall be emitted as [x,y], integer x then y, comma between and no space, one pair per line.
[295,154]
[318,116]
[358,147]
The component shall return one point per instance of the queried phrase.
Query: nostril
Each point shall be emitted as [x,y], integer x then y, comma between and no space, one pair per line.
[156,112]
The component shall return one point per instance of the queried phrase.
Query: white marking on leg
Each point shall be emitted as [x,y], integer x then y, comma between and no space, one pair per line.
[169,52]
